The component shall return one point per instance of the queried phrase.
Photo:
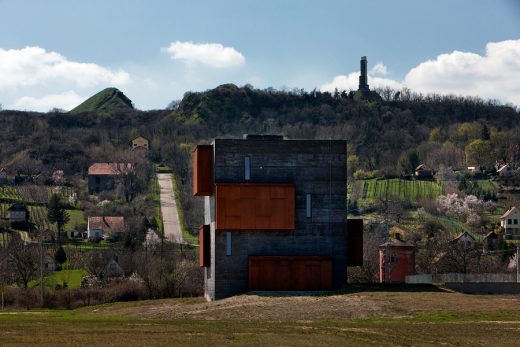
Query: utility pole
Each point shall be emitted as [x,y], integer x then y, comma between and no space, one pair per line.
[40,229]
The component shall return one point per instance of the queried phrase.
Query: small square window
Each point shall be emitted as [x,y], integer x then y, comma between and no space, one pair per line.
[509,221]
[393,258]
[515,221]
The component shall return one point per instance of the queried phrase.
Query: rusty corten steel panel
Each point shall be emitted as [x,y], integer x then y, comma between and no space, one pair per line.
[255,206]
[290,273]
[203,170]
[354,242]
[204,246]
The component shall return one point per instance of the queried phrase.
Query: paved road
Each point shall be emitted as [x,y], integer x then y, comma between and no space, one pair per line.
[172,229]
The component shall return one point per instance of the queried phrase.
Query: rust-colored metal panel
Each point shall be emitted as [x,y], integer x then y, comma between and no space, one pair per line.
[204,246]
[255,206]
[354,242]
[290,273]
[203,170]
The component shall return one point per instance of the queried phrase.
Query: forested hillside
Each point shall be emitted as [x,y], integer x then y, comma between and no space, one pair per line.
[387,135]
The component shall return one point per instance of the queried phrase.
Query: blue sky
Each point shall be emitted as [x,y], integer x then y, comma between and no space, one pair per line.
[57,53]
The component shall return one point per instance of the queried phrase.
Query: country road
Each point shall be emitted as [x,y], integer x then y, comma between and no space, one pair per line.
[170,216]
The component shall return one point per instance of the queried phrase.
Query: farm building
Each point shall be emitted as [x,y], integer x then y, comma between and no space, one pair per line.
[274,214]
[140,143]
[510,222]
[105,226]
[423,171]
[18,213]
[102,176]
[396,260]
[465,239]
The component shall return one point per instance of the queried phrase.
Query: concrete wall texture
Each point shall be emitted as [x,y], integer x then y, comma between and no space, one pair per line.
[316,167]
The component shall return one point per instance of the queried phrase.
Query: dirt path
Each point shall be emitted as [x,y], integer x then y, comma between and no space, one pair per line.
[172,229]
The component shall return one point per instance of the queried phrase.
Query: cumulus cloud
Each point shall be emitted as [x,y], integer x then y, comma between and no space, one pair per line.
[212,54]
[379,69]
[351,82]
[66,100]
[496,74]
[32,66]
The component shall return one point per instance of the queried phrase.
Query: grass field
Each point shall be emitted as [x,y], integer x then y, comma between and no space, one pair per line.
[72,279]
[367,191]
[359,318]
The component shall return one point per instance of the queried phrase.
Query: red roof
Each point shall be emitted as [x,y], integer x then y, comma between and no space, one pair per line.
[110,169]
[508,212]
[107,224]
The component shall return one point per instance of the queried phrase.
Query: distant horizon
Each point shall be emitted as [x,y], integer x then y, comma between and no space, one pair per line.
[155,52]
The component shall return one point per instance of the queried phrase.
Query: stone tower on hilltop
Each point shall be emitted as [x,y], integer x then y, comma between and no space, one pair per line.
[363,78]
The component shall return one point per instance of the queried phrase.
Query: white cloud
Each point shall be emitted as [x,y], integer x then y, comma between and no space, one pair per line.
[212,54]
[379,69]
[351,82]
[496,74]
[66,100]
[32,66]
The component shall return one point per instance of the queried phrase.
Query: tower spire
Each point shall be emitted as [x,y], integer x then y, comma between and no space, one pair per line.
[363,78]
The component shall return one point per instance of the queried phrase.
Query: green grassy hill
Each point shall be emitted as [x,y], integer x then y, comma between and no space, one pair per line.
[106,101]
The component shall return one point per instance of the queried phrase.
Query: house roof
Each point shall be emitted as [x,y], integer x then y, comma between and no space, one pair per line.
[503,168]
[17,207]
[109,224]
[110,169]
[422,167]
[508,212]
[140,137]
[394,242]
[461,235]
[490,235]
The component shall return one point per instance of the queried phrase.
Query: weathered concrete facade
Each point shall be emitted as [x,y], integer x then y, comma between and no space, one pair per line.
[315,167]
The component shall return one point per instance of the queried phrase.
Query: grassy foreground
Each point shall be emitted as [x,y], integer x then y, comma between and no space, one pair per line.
[478,323]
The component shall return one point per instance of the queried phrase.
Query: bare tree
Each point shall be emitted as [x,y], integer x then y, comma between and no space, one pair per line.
[23,261]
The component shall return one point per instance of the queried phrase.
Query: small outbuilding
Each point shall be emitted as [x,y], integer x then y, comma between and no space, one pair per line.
[396,260]
[105,226]
[423,171]
[465,239]
[140,143]
[18,214]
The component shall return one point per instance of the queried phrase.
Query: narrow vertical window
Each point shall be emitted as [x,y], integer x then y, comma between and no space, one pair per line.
[229,241]
[308,206]
[247,164]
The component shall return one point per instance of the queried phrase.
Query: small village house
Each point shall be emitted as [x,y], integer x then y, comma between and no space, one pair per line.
[18,214]
[3,176]
[423,171]
[504,170]
[396,260]
[102,176]
[490,242]
[509,221]
[465,239]
[140,143]
[105,226]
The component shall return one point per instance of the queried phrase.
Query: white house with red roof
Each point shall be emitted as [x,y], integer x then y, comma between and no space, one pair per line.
[510,221]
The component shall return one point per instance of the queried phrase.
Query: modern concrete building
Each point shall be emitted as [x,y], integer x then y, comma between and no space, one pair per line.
[274,214]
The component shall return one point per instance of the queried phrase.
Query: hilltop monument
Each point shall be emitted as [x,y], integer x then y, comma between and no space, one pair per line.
[363,78]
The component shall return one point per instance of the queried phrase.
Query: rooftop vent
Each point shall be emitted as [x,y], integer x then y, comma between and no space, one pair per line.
[262,137]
